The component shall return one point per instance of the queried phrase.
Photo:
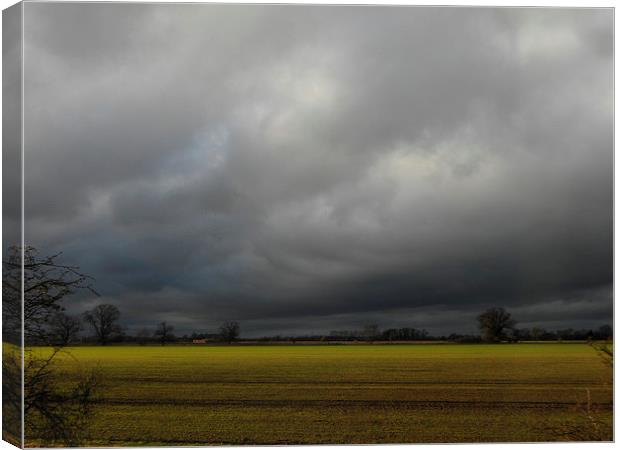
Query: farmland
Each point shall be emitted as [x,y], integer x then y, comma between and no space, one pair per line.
[191,395]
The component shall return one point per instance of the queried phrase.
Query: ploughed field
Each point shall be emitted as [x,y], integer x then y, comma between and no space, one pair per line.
[192,395]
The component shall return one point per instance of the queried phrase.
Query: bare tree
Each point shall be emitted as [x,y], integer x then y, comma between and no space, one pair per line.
[52,412]
[64,329]
[55,411]
[142,336]
[606,332]
[46,283]
[103,320]
[164,333]
[229,331]
[370,331]
[536,333]
[494,322]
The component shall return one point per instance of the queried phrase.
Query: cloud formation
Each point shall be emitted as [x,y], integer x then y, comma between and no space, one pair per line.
[307,168]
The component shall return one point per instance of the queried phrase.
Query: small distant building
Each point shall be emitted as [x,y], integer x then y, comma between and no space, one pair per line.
[199,341]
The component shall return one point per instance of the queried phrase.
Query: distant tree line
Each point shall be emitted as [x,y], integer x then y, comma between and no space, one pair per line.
[102,321]
[604,332]
[495,325]
[374,333]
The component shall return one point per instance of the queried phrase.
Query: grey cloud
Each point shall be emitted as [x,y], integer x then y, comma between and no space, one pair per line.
[324,165]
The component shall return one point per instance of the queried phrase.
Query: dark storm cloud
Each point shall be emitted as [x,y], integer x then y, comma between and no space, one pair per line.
[11,125]
[317,167]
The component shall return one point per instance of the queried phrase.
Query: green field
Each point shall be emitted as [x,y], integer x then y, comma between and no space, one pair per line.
[191,395]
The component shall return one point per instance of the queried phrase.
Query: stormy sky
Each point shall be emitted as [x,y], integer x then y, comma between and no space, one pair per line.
[302,169]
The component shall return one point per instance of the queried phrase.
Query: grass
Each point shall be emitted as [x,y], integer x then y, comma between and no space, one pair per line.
[343,394]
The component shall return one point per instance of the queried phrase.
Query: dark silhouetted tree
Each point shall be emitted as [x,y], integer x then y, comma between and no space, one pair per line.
[64,329]
[537,333]
[103,320]
[56,411]
[229,331]
[494,323]
[605,332]
[142,336]
[164,333]
[370,331]
[46,283]
[404,334]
